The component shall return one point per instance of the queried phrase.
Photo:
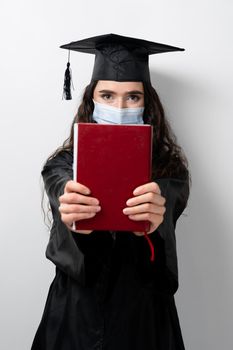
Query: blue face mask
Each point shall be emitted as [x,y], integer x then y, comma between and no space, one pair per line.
[104,114]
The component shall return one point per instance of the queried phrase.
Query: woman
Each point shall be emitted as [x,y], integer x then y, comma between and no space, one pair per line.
[107,294]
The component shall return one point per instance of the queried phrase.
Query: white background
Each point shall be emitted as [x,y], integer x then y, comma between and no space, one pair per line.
[195,87]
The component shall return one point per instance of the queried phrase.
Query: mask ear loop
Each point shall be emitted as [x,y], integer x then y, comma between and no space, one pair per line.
[152,250]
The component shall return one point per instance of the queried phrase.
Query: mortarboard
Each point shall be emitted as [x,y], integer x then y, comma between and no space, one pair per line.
[117,57]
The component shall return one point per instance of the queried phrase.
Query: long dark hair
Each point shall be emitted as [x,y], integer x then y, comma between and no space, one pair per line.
[168,158]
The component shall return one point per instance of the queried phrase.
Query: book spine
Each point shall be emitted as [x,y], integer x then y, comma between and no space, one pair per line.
[150,167]
[75,158]
[151,151]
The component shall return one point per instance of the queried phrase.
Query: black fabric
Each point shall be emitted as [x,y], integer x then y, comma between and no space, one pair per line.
[118,57]
[106,293]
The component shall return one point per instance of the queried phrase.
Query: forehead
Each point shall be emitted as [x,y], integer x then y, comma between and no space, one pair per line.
[119,86]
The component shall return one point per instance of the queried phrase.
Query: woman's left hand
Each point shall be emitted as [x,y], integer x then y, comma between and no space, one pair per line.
[147,204]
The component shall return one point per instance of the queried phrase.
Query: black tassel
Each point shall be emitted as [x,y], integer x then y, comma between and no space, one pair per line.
[67,82]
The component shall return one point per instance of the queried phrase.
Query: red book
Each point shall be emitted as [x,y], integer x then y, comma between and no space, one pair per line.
[112,160]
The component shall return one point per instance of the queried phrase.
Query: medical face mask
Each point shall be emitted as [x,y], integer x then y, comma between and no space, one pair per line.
[104,114]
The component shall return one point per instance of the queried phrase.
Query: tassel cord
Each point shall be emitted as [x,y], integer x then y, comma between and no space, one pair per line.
[152,250]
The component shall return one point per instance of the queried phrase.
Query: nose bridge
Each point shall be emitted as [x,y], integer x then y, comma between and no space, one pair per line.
[120,103]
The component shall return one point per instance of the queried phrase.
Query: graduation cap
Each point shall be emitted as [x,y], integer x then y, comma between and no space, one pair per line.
[117,57]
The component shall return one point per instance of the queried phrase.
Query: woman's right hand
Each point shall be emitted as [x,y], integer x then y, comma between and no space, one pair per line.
[75,204]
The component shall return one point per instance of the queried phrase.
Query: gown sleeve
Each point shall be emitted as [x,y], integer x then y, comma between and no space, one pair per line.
[176,192]
[71,252]
[164,269]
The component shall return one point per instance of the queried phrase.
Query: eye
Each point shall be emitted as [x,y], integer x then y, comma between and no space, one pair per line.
[134,98]
[106,96]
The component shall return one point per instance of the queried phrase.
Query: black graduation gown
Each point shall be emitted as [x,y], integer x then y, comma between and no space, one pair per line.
[106,293]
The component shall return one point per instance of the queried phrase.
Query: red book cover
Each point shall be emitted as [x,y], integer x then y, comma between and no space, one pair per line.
[112,160]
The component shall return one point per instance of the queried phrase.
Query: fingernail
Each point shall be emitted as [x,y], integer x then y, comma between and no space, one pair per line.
[136,191]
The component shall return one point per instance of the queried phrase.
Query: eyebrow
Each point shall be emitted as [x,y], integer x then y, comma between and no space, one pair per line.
[132,92]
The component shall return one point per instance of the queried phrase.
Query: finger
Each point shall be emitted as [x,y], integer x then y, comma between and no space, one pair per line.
[70,227]
[150,197]
[149,187]
[145,208]
[86,232]
[77,198]
[146,216]
[77,208]
[73,186]
[68,219]
[138,233]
